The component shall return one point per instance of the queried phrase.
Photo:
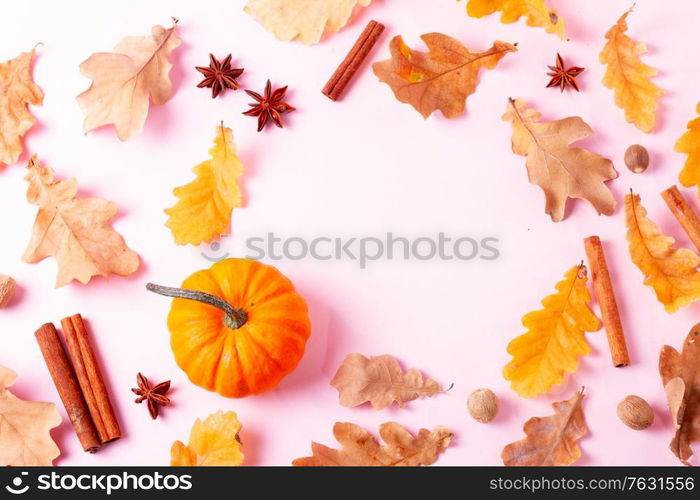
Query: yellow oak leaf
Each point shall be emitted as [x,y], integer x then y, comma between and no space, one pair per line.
[689,143]
[17,90]
[214,442]
[305,19]
[440,79]
[554,339]
[75,231]
[126,80]
[25,427]
[561,171]
[629,77]
[536,12]
[671,272]
[203,212]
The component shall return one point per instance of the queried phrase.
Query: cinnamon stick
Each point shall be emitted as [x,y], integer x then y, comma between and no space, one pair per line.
[606,300]
[353,61]
[685,214]
[90,378]
[68,387]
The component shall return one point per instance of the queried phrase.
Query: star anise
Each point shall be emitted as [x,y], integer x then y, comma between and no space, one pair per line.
[268,107]
[563,77]
[219,75]
[155,396]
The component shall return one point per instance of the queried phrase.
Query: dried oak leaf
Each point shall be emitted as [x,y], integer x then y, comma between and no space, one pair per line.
[25,427]
[550,441]
[74,230]
[360,448]
[203,211]
[440,79]
[305,19]
[629,77]
[554,339]
[680,374]
[561,171]
[380,381]
[17,90]
[125,80]
[689,143]
[671,272]
[537,12]
[214,442]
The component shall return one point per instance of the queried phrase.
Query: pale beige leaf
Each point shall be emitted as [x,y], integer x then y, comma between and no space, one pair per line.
[380,381]
[17,90]
[360,448]
[25,427]
[126,80]
[561,171]
[75,231]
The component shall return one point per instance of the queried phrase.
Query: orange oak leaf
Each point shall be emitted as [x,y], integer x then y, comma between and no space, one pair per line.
[671,272]
[75,231]
[360,448]
[440,79]
[17,90]
[305,19]
[550,441]
[689,143]
[25,427]
[126,80]
[380,381]
[536,12]
[561,171]
[214,442]
[680,374]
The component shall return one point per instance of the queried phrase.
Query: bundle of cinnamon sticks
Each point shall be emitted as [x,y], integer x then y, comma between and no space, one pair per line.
[79,382]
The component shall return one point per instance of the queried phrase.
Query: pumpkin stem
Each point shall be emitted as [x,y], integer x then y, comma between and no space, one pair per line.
[234,319]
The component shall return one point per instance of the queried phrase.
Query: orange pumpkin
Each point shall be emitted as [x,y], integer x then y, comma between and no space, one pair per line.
[237,328]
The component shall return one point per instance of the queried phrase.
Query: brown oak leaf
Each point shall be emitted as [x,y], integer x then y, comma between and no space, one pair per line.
[17,90]
[360,448]
[125,79]
[75,231]
[680,374]
[25,427]
[442,78]
[380,381]
[550,441]
[561,171]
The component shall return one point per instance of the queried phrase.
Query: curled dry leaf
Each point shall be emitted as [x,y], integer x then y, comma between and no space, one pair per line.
[629,77]
[17,90]
[126,80]
[203,211]
[680,374]
[440,79]
[561,171]
[671,272]
[554,339]
[689,143]
[214,442]
[305,19]
[536,12]
[380,381]
[550,441]
[360,448]
[25,427]
[75,231]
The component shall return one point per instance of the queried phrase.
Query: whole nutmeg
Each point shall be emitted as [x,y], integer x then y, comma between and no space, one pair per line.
[637,158]
[635,413]
[7,289]
[483,405]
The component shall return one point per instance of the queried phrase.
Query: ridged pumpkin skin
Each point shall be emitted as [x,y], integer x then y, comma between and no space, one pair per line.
[255,357]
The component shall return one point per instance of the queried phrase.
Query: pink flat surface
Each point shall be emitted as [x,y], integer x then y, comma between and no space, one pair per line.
[360,167]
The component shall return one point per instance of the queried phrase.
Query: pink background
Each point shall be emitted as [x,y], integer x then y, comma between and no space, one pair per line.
[360,167]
